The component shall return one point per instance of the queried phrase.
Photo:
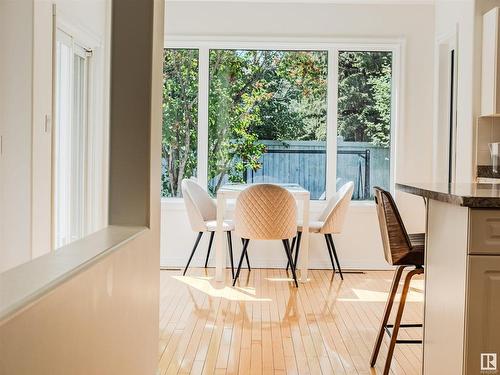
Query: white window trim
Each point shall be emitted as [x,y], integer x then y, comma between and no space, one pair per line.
[333,46]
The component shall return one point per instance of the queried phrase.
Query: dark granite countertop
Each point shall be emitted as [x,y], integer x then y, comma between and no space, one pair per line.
[471,195]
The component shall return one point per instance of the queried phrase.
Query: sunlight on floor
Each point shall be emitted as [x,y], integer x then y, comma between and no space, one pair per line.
[364,295]
[203,284]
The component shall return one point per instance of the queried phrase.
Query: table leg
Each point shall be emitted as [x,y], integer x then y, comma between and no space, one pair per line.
[220,251]
[304,246]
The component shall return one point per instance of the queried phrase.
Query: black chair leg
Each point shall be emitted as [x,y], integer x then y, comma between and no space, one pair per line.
[294,240]
[335,255]
[330,251]
[209,247]
[192,252]
[246,255]
[289,256]
[245,246]
[299,237]
[230,245]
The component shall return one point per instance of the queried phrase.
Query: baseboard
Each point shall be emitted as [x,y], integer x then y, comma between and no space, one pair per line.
[259,263]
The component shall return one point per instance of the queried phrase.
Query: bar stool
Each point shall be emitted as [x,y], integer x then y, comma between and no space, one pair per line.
[403,250]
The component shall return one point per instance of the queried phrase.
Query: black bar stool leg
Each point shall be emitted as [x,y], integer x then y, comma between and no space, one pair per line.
[387,312]
[192,252]
[399,315]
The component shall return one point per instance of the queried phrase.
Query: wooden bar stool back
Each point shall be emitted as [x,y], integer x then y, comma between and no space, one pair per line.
[403,250]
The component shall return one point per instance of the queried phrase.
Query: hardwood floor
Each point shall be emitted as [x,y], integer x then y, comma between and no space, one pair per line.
[266,326]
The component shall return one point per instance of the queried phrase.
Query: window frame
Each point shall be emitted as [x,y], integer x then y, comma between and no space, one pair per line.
[332,47]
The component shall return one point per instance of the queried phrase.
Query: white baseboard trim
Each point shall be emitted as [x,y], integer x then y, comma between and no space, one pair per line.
[259,263]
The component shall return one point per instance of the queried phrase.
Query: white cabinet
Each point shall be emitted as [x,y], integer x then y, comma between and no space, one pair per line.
[490,74]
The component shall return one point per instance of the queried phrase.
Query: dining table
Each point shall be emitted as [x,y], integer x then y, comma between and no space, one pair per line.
[231,191]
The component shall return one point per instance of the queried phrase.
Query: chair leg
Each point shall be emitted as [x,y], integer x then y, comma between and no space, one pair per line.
[245,246]
[289,256]
[399,315]
[246,255]
[292,250]
[192,252]
[230,245]
[335,255]
[387,312]
[209,247]
[299,237]
[329,251]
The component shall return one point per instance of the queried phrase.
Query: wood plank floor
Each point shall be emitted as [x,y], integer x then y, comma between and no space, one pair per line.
[266,326]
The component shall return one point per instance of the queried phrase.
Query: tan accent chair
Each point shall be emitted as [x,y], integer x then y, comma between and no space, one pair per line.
[331,221]
[266,212]
[202,213]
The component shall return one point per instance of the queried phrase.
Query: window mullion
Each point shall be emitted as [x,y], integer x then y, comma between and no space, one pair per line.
[203,87]
[332,116]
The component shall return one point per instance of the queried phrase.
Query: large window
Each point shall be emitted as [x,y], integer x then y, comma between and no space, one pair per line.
[266,115]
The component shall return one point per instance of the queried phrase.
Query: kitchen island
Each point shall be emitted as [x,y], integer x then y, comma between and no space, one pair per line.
[462,278]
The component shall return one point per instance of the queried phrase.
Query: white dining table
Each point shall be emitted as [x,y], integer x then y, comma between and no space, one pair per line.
[231,191]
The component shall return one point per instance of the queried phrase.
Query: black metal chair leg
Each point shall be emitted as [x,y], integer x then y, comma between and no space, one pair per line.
[335,255]
[246,255]
[299,238]
[330,251]
[292,250]
[192,252]
[230,245]
[289,256]
[209,247]
[245,246]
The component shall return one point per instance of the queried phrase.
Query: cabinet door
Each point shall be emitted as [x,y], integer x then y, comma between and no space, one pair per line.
[483,314]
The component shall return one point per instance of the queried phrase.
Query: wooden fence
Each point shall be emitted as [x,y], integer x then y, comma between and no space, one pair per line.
[304,162]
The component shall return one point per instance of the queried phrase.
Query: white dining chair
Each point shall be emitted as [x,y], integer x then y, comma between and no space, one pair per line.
[202,213]
[331,221]
[266,212]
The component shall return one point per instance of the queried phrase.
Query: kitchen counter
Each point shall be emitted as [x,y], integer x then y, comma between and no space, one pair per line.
[472,195]
[462,277]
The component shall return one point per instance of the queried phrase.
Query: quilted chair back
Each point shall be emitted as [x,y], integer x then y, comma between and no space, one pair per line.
[265,212]
[336,211]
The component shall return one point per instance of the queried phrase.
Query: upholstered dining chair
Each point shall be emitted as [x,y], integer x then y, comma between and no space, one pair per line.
[202,213]
[331,221]
[403,250]
[266,212]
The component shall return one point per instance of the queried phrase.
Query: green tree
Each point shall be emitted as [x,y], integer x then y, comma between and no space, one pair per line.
[364,98]
[180,118]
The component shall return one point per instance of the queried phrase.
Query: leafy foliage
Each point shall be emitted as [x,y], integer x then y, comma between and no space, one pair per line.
[261,95]
[364,99]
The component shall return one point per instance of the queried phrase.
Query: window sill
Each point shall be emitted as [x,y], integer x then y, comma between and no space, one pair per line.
[177,204]
[28,282]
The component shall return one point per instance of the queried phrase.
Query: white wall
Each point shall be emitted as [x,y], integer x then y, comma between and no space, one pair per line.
[463,18]
[26,123]
[16,64]
[359,246]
